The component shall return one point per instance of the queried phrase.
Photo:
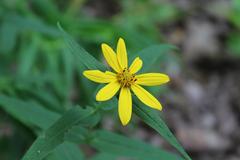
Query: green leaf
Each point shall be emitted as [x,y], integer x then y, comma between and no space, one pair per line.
[235,13]
[68,71]
[116,144]
[30,24]
[25,84]
[83,57]
[84,61]
[153,54]
[104,156]
[43,96]
[8,37]
[28,56]
[47,9]
[77,134]
[54,73]
[80,54]
[30,113]
[153,119]
[92,30]
[66,151]
[233,42]
[54,135]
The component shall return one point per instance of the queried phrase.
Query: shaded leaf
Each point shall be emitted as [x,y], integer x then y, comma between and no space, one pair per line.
[153,119]
[104,156]
[154,54]
[30,113]
[77,134]
[66,151]
[233,42]
[83,60]
[31,24]
[54,135]
[116,144]
[8,37]
[28,56]
[46,9]
[80,54]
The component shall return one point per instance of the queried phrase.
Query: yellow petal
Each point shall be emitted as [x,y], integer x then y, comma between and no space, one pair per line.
[146,97]
[98,76]
[108,91]
[151,79]
[136,65]
[110,57]
[111,73]
[125,105]
[122,54]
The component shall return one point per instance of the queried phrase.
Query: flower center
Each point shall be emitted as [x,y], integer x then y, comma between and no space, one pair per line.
[125,78]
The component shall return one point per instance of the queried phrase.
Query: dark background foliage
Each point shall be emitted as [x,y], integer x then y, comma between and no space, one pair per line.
[201,103]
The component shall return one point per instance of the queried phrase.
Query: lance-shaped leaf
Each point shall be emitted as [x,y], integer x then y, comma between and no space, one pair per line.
[80,53]
[29,113]
[54,135]
[153,119]
[66,151]
[83,60]
[34,115]
[104,156]
[122,146]
[154,54]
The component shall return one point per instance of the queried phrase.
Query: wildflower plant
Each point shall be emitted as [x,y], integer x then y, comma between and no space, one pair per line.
[125,79]
[60,130]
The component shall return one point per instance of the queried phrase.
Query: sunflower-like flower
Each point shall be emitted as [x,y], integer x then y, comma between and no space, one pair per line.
[125,79]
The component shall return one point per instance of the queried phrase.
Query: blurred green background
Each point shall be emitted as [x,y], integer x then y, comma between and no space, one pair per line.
[201,104]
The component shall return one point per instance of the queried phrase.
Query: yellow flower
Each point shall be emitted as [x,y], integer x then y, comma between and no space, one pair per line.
[125,80]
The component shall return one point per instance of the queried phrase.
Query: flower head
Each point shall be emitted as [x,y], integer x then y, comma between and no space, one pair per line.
[124,78]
